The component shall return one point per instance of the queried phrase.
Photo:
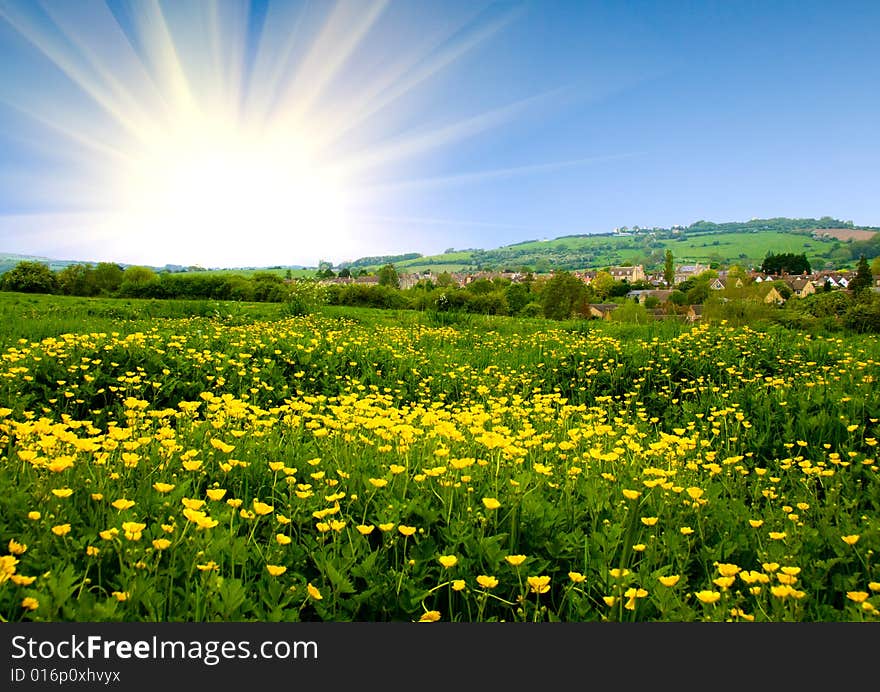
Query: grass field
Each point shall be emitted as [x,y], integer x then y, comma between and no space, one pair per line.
[212,462]
[746,249]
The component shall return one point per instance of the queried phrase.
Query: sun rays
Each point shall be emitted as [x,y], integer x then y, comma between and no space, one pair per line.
[178,131]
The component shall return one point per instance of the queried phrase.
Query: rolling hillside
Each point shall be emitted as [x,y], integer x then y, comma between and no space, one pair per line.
[827,243]
[745,244]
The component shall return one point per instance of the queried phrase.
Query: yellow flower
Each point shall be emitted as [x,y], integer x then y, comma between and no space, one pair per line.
[650,521]
[108,534]
[777,535]
[192,503]
[857,596]
[609,600]
[695,494]
[728,570]
[282,539]
[491,503]
[22,580]
[61,529]
[235,503]
[365,529]
[618,573]
[215,494]
[486,581]
[458,584]
[161,543]
[852,539]
[671,580]
[122,504]
[781,591]
[262,508]
[92,551]
[313,591]
[30,603]
[276,570]
[222,446]
[378,482]
[163,487]
[724,582]
[16,548]
[515,560]
[406,530]
[62,492]
[34,516]
[121,595]
[756,523]
[540,584]
[208,566]
[874,585]
[686,530]
[577,577]
[133,530]
[631,494]
[448,560]
[707,596]
[430,616]
[386,527]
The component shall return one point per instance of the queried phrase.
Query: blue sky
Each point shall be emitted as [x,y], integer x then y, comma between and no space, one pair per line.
[255,134]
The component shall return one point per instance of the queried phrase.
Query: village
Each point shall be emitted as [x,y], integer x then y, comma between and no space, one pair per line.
[649,289]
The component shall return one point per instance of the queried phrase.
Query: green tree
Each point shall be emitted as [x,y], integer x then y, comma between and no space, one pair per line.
[77,280]
[388,276]
[863,278]
[108,277]
[138,276]
[669,269]
[562,296]
[786,262]
[30,277]
[602,284]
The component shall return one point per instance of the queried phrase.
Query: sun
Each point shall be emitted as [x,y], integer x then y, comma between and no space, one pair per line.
[202,188]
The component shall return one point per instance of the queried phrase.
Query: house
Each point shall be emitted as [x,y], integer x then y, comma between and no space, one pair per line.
[586,276]
[642,295]
[721,282]
[800,287]
[689,271]
[628,274]
[770,295]
[601,311]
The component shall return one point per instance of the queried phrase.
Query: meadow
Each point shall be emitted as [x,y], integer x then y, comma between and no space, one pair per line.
[176,461]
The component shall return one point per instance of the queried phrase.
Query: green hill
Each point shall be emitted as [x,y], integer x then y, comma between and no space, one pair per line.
[742,243]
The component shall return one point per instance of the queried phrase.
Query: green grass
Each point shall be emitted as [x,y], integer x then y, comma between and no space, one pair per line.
[382,465]
[36,316]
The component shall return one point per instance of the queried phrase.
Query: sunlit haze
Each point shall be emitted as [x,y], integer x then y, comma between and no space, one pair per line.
[230,134]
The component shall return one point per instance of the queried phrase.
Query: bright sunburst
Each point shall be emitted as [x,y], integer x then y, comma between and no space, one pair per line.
[216,186]
[227,133]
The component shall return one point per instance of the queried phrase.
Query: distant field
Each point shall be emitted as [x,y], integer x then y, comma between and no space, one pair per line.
[747,247]
[847,234]
[597,251]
